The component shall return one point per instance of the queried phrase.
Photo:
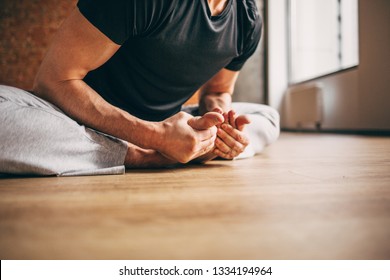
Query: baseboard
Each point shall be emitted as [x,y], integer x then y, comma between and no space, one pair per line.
[368,132]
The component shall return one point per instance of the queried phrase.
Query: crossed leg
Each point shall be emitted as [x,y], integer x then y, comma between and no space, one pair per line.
[37,138]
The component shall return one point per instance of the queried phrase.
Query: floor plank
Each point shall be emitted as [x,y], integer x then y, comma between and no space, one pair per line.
[309,196]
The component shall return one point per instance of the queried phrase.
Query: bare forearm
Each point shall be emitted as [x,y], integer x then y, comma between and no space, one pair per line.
[173,138]
[209,101]
[84,105]
[137,157]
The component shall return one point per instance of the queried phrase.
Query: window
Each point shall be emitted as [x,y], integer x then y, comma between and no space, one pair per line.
[323,37]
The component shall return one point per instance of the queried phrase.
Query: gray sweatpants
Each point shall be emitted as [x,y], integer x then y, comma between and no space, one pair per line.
[37,138]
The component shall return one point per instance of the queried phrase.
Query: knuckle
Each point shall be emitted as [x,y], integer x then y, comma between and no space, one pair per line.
[224,149]
[228,128]
[236,147]
[184,160]
[191,141]
[242,139]
[218,153]
[193,149]
[218,144]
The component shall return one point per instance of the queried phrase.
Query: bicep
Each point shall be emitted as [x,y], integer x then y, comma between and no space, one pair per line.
[77,48]
[221,82]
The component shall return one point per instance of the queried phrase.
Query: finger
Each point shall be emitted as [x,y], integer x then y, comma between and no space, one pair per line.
[206,134]
[234,147]
[242,121]
[206,121]
[221,145]
[221,154]
[225,137]
[234,135]
[217,110]
[232,118]
[226,118]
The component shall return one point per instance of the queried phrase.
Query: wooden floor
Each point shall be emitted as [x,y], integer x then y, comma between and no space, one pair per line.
[309,196]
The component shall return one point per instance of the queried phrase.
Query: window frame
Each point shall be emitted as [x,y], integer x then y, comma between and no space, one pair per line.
[290,82]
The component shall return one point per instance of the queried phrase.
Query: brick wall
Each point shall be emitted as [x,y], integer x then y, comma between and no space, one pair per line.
[26,28]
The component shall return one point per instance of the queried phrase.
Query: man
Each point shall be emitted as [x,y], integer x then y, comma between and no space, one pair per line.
[123,68]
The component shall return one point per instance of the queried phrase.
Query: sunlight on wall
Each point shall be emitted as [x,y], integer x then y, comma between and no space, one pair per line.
[323,37]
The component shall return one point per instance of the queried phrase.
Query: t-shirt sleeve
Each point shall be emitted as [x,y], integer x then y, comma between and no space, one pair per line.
[250,43]
[111,17]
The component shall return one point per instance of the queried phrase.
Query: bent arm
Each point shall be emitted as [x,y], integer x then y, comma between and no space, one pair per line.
[77,48]
[216,95]
[218,91]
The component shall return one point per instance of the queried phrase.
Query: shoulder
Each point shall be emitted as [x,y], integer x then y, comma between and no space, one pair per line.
[121,19]
[249,19]
[248,13]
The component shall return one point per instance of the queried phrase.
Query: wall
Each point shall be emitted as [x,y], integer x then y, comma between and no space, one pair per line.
[374,68]
[357,99]
[277,53]
[250,83]
[26,27]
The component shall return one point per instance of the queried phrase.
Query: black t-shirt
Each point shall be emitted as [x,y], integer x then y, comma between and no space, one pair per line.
[169,48]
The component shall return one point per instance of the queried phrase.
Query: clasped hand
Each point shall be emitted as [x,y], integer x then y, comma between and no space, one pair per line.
[231,141]
[214,134]
[186,137]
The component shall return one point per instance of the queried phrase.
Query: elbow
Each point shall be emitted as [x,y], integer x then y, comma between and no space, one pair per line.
[45,86]
[41,85]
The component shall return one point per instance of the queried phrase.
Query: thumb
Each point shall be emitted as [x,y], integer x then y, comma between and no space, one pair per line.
[241,121]
[206,121]
[218,110]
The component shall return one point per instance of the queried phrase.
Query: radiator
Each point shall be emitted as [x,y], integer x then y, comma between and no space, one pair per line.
[303,107]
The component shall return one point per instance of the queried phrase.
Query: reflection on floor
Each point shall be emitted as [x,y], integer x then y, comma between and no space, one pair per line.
[309,196]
